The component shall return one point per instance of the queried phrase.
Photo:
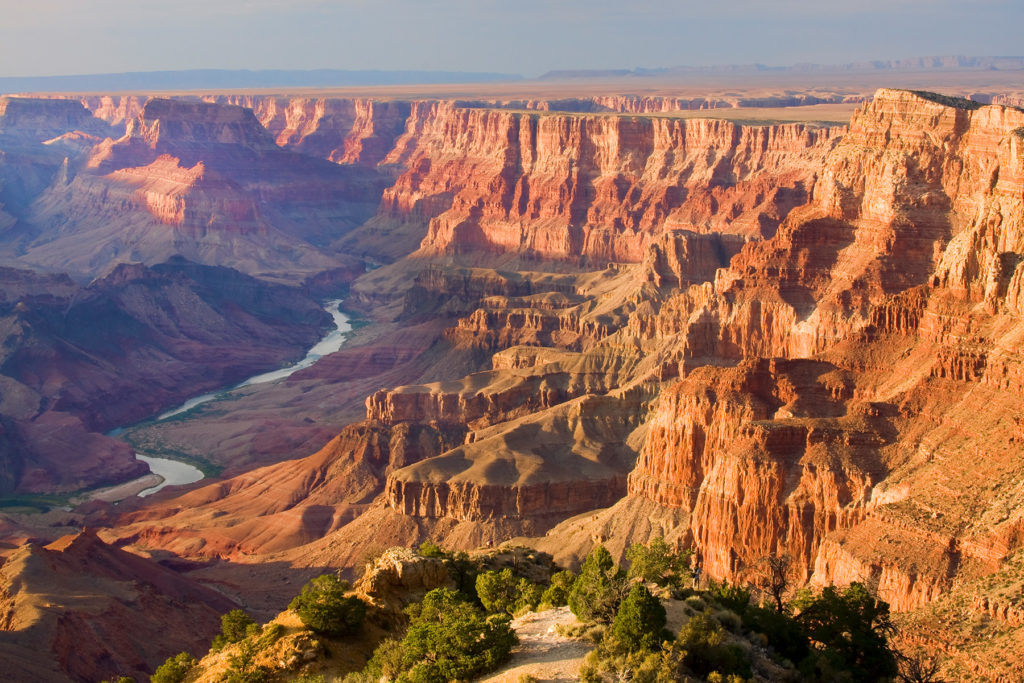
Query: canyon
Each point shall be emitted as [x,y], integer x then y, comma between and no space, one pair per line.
[585,319]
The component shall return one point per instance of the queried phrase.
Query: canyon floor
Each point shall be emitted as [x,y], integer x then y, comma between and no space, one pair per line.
[752,315]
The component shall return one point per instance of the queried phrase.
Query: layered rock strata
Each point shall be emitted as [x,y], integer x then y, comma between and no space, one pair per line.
[562,186]
[204,181]
[900,274]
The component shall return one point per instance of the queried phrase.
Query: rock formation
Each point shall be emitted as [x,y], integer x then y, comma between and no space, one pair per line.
[76,598]
[564,186]
[898,280]
[204,181]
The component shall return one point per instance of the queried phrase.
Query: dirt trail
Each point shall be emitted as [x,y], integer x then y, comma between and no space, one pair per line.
[541,652]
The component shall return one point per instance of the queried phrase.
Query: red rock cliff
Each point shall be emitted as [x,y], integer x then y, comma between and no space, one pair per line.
[345,131]
[903,274]
[562,186]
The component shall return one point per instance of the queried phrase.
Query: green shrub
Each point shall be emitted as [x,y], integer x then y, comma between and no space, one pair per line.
[851,627]
[729,620]
[695,603]
[430,549]
[323,607]
[385,664]
[705,643]
[174,669]
[730,597]
[463,572]
[640,621]
[557,593]
[658,563]
[498,591]
[451,639]
[235,626]
[599,588]
[782,632]
[529,597]
[610,663]
[270,635]
[242,667]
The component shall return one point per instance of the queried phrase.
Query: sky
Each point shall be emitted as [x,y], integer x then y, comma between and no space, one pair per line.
[527,37]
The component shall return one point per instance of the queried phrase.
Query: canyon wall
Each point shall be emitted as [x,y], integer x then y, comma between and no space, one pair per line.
[815,352]
[477,176]
[200,180]
[900,275]
[565,186]
[345,131]
[659,104]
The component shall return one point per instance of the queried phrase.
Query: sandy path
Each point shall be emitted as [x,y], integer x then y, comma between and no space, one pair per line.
[541,652]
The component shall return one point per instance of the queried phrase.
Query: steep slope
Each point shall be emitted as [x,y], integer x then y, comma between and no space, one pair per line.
[37,138]
[345,131]
[81,610]
[891,455]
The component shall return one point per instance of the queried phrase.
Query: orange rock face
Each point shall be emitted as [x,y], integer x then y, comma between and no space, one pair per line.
[345,131]
[600,187]
[900,274]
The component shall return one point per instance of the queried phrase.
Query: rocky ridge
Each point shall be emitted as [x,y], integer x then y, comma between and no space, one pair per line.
[73,598]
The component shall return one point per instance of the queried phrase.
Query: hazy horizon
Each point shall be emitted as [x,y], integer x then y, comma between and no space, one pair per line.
[528,38]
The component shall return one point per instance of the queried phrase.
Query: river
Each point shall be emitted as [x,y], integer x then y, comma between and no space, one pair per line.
[175,472]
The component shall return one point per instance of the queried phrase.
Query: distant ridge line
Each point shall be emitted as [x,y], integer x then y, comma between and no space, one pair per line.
[945,63]
[221,79]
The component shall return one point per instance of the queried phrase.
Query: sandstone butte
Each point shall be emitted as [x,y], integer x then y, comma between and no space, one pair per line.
[754,339]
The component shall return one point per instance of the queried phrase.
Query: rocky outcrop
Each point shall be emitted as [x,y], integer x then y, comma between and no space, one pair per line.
[765,457]
[682,258]
[899,274]
[539,468]
[514,323]
[43,119]
[449,290]
[399,577]
[345,131]
[503,394]
[115,110]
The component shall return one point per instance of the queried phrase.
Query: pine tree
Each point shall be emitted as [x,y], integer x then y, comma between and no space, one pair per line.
[640,621]
[599,588]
